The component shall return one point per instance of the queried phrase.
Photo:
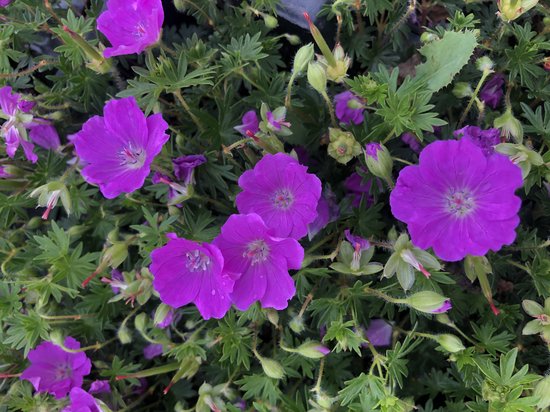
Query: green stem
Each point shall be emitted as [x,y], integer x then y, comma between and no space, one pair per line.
[484,76]
[186,107]
[289,90]
[95,347]
[151,372]
[330,109]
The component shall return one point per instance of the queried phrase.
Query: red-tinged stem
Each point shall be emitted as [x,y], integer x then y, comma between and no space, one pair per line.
[252,135]
[9,375]
[90,278]
[494,308]
[424,271]
[167,389]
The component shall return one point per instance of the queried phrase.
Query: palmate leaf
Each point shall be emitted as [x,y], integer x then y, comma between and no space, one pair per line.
[445,58]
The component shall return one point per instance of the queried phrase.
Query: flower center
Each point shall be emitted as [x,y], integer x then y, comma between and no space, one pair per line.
[63,372]
[460,202]
[257,251]
[195,261]
[140,30]
[283,199]
[132,157]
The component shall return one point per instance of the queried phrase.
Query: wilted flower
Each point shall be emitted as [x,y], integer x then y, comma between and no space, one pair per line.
[56,371]
[327,211]
[43,133]
[152,351]
[4,3]
[349,108]
[458,201]
[4,173]
[131,26]
[521,155]
[379,332]
[412,141]
[249,123]
[276,119]
[343,147]
[184,167]
[100,386]
[261,259]
[358,188]
[120,146]
[485,139]
[81,401]
[200,267]
[281,191]
[491,93]
[510,126]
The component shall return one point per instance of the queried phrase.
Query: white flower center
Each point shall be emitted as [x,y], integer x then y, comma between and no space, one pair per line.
[257,251]
[283,199]
[132,157]
[196,260]
[460,202]
[63,372]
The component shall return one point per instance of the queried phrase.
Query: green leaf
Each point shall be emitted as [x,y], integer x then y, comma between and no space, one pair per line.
[445,58]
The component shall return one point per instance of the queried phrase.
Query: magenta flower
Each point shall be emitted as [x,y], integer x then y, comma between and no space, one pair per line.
[458,201]
[43,133]
[281,191]
[379,332]
[167,320]
[152,351]
[81,401]
[327,211]
[249,123]
[485,139]
[411,140]
[184,167]
[445,307]
[56,371]
[4,3]
[491,94]
[100,386]
[119,147]
[359,189]
[275,122]
[262,260]
[15,109]
[200,267]
[358,243]
[349,108]
[372,149]
[3,173]
[131,25]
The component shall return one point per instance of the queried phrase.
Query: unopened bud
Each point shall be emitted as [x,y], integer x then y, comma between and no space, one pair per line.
[272,316]
[296,324]
[270,21]
[303,57]
[378,160]
[343,147]
[510,126]
[293,39]
[312,350]
[428,302]
[272,368]
[317,77]
[57,337]
[428,37]
[462,90]
[124,335]
[542,392]
[450,342]
[485,64]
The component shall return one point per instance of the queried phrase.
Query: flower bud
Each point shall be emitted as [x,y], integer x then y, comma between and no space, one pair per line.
[163,316]
[272,368]
[272,316]
[124,335]
[510,126]
[485,64]
[317,77]
[428,302]
[378,160]
[270,21]
[339,71]
[57,337]
[303,57]
[343,147]
[34,223]
[297,324]
[444,319]
[428,37]
[462,90]
[449,342]
[293,39]
[116,254]
[532,308]
[542,392]
[312,350]
[520,155]
[509,10]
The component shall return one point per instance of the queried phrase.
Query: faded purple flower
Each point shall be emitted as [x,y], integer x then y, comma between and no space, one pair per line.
[458,201]
[327,211]
[359,189]
[261,259]
[117,281]
[485,139]
[349,108]
[164,323]
[3,173]
[56,371]
[120,146]
[100,386]
[491,94]
[275,122]
[379,332]
[249,123]
[14,109]
[43,133]
[281,191]
[152,350]
[4,3]
[131,25]
[411,140]
[358,243]
[184,167]
[372,149]
[81,401]
[200,267]
[444,308]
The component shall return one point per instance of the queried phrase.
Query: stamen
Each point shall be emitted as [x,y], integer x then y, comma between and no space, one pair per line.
[257,251]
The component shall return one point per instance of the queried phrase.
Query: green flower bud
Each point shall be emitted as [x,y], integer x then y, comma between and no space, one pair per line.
[34,223]
[462,90]
[427,302]
[293,39]
[521,155]
[379,161]
[272,316]
[532,308]
[115,254]
[57,337]
[510,126]
[124,335]
[324,401]
[317,77]
[272,368]
[450,342]
[160,314]
[312,350]
[542,392]
[270,21]
[303,57]
[428,37]
[343,147]
[297,324]
[485,64]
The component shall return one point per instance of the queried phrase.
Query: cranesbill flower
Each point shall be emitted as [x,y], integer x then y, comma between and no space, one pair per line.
[131,25]
[458,201]
[491,94]
[359,244]
[359,189]
[276,121]
[349,108]
[379,332]
[119,147]
[15,110]
[249,123]
[4,3]
[152,351]
[261,260]
[100,386]
[485,139]
[281,191]
[184,167]
[412,141]
[200,268]
[327,211]
[4,174]
[81,401]
[42,132]
[56,371]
